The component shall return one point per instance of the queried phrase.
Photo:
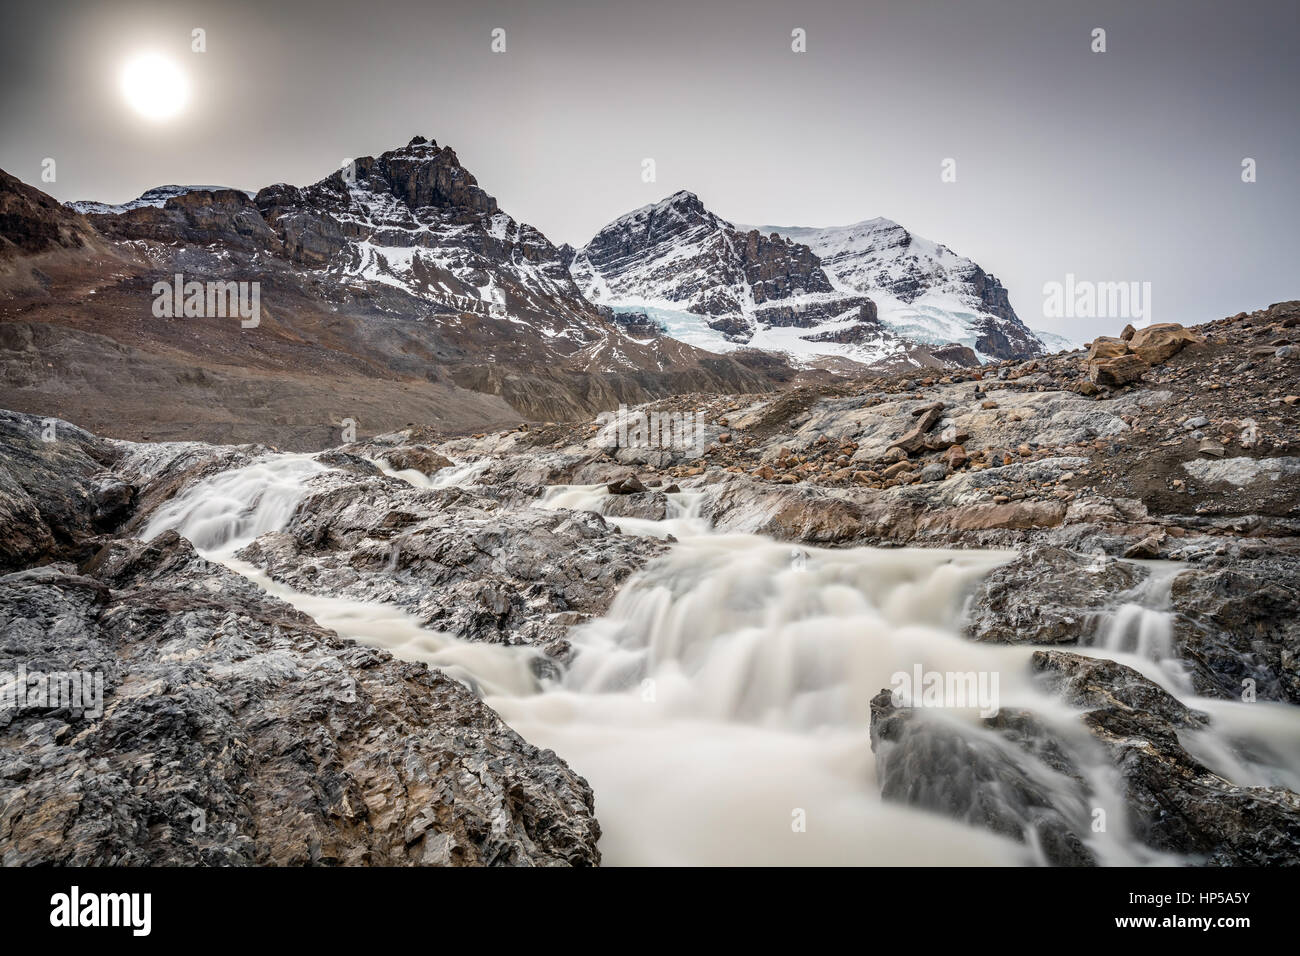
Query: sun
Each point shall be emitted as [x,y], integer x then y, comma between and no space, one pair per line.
[154,86]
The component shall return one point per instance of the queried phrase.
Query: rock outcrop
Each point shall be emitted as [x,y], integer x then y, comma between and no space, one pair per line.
[232,730]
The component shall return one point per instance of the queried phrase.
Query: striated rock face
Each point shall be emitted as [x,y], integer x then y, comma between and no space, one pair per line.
[454,558]
[1239,622]
[57,494]
[236,731]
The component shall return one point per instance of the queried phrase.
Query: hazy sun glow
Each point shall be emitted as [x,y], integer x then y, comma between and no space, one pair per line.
[154,86]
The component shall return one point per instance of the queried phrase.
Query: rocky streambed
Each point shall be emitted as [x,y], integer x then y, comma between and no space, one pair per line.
[426,650]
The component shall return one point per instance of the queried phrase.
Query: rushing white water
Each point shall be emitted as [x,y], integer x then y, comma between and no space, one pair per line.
[456,474]
[724,698]
[227,510]
[1143,626]
[683,519]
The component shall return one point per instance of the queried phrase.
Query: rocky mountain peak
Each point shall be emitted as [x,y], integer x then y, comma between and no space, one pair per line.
[421,175]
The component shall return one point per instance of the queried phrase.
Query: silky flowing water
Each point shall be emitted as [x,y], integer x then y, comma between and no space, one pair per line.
[720,709]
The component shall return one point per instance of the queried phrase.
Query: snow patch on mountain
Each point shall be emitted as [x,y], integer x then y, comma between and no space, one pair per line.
[155,198]
[676,258]
[924,292]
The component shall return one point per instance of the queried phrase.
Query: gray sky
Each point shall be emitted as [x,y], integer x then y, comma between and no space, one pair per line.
[1115,166]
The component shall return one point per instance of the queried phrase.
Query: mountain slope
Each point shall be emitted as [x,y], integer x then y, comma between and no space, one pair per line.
[925,292]
[677,257]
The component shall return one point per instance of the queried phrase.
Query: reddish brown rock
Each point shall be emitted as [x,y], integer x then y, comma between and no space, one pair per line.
[914,440]
[983,517]
[1158,343]
[1117,371]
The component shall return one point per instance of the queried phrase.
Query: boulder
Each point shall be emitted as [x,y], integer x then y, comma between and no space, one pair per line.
[630,485]
[416,457]
[1119,370]
[1104,348]
[1048,595]
[1158,343]
[913,440]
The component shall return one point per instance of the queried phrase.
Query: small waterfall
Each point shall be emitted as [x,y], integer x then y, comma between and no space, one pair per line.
[1142,628]
[457,474]
[226,511]
[682,520]
[726,693]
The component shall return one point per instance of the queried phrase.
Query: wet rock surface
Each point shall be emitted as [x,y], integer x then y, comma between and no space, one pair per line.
[1048,596]
[1009,774]
[1238,627]
[1173,802]
[234,730]
[976,777]
[459,561]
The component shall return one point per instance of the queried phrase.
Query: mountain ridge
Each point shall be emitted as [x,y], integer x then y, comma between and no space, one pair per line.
[401,292]
[869,290]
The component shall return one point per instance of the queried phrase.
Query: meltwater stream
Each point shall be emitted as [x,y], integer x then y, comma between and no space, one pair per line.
[720,709]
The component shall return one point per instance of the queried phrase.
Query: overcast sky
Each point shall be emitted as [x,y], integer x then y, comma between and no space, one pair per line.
[1115,166]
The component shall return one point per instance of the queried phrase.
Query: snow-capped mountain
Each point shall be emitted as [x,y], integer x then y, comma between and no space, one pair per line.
[677,260]
[924,291]
[414,218]
[871,291]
